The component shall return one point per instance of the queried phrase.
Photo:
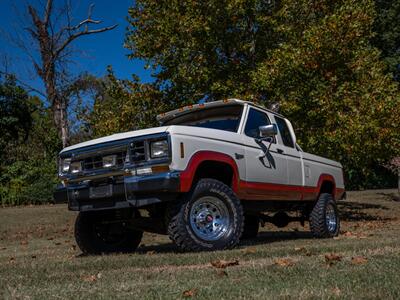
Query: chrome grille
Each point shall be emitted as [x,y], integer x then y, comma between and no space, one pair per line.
[138,151]
[96,162]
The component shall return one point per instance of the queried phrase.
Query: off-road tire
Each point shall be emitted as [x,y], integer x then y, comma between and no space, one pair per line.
[318,217]
[178,215]
[251,227]
[91,242]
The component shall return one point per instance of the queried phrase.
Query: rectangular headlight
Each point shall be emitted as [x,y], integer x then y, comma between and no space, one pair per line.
[109,161]
[75,167]
[159,149]
[64,166]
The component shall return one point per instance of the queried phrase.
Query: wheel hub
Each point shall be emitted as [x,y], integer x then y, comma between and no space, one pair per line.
[209,218]
[330,218]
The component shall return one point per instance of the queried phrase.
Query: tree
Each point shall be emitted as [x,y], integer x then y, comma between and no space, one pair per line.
[15,113]
[312,60]
[28,147]
[201,49]
[387,38]
[329,81]
[125,105]
[54,39]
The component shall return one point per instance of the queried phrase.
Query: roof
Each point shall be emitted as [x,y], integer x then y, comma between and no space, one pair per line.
[164,117]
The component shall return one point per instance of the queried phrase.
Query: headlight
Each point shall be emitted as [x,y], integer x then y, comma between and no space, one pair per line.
[75,167]
[159,149]
[64,165]
[109,161]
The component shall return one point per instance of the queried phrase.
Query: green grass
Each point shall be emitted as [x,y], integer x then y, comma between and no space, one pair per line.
[39,260]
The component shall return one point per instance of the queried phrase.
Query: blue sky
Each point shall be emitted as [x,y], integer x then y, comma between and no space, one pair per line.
[99,50]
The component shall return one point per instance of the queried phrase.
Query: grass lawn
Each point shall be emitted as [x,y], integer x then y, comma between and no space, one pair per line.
[39,260]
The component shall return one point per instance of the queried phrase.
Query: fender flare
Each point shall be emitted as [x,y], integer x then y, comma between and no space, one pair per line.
[199,157]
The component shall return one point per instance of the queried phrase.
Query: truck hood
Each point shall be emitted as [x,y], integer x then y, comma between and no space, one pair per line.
[116,137]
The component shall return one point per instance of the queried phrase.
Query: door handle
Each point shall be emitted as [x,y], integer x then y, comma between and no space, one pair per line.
[239,156]
[280,151]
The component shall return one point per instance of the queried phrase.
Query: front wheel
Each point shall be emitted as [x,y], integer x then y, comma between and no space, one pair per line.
[324,218]
[209,218]
[97,232]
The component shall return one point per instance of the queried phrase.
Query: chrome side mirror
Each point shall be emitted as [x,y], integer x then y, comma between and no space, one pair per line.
[267,131]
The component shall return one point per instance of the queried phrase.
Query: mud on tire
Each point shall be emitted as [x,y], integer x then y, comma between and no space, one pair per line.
[208,218]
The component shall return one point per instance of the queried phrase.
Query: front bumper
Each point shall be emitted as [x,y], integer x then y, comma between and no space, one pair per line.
[119,192]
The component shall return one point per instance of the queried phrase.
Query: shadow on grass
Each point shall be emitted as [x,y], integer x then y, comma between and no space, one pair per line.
[262,238]
[356,212]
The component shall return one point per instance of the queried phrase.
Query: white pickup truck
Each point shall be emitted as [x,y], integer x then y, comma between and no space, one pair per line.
[207,177]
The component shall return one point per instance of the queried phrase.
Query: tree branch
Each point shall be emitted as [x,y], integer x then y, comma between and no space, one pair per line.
[81,33]
[47,13]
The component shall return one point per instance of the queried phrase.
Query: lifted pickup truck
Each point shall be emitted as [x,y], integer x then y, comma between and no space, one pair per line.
[208,177]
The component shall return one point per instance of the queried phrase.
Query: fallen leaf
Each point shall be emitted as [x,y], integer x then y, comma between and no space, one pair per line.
[152,252]
[50,239]
[24,243]
[222,264]
[57,244]
[222,273]
[189,293]
[284,262]
[4,248]
[330,259]
[303,250]
[89,278]
[249,250]
[336,291]
[359,260]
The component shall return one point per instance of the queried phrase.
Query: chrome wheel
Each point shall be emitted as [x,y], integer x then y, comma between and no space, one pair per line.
[209,218]
[331,218]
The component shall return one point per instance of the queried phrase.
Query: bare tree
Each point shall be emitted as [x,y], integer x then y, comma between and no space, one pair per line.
[54,42]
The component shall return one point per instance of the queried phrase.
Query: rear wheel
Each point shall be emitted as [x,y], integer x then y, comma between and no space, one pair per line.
[97,232]
[209,218]
[324,218]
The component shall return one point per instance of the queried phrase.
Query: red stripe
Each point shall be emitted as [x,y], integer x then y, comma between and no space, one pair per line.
[255,190]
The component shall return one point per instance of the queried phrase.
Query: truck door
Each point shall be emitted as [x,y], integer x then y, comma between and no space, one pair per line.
[266,165]
[287,141]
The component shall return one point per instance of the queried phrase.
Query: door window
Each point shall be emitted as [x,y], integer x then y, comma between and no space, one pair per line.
[255,119]
[285,132]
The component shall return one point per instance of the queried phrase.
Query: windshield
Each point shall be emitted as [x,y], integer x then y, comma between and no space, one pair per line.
[223,118]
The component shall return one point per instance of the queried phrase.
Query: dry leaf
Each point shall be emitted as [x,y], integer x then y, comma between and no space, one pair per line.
[222,273]
[249,250]
[57,244]
[24,243]
[330,259]
[303,250]
[89,278]
[284,262]
[359,260]
[222,264]
[336,291]
[189,293]
[151,252]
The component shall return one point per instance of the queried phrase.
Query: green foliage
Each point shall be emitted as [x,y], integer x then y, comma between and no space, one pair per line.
[330,82]
[313,59]
[202,49]
[387,37]
[126,105]
[28,161]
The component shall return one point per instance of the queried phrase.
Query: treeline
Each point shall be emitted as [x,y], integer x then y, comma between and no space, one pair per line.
[332,67]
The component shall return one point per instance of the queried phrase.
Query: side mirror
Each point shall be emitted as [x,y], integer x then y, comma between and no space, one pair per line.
[268,131]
